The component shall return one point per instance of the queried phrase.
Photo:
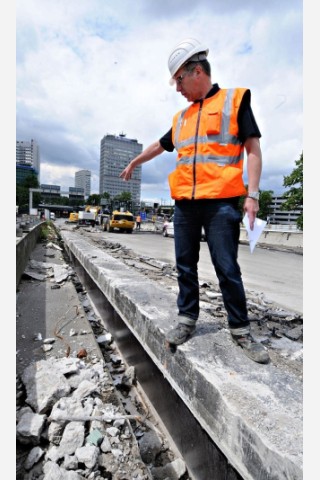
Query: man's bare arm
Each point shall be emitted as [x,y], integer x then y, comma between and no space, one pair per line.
[149,153]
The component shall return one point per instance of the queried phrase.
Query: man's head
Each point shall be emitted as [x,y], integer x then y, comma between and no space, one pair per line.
[190,69]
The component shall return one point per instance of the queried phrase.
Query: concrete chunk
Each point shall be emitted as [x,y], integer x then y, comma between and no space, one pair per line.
[45,384]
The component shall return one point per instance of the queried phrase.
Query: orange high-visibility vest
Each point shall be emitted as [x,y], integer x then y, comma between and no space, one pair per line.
[209,152]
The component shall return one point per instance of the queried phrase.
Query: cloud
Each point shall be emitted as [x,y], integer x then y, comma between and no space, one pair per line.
[88,68]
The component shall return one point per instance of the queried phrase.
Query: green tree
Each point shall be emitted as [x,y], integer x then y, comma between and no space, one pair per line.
[123,197]
[22,192]
[265,202]
[294,196]
[123,200]
[93,199]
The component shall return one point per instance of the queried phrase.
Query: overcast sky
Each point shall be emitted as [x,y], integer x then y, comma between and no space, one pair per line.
[85,68]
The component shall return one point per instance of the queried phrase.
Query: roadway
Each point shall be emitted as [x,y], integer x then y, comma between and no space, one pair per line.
[278,275]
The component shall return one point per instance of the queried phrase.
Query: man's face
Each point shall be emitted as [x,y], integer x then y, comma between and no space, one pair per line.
[186,84]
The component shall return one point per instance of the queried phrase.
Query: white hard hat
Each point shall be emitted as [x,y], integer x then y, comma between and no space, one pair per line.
[183,52]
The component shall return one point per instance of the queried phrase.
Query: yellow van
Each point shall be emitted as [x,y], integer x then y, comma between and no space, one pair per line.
[121,221]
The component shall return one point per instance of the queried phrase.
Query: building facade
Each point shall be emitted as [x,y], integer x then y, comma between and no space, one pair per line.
[27,160]
[115,154]
[76,193]
[50,192]
[282,217]
[83,180]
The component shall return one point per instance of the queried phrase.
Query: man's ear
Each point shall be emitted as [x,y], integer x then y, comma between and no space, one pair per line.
[198,70]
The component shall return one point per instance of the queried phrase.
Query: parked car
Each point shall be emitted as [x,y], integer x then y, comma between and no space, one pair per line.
[168,230]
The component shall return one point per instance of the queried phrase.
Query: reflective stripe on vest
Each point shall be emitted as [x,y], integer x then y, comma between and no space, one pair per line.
[223,138]
[210,154]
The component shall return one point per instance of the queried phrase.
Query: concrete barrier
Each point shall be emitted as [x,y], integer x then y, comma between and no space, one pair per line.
[252,412]
[276,238]
[25,242]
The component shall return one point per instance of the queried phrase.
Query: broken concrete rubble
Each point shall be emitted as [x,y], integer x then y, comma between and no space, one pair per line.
[70,423]
[70,420]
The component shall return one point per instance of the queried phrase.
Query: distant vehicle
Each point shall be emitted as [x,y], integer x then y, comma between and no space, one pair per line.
[168,230]
[87,218]
[121,221]
[73,217]
[52,216]
[95,210]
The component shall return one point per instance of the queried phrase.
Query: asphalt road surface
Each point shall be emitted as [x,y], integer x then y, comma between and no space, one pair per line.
[276,274]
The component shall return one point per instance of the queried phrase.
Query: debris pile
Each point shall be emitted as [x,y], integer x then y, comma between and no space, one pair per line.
[79,415]
[71,425]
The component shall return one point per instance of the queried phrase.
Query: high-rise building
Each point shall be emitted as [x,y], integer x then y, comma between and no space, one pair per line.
[27,159]
[115,154]
[83,180]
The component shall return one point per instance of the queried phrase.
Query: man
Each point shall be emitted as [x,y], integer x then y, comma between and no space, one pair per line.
[210,137]
[138,221]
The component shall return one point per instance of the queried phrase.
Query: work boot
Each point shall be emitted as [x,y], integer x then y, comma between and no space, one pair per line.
[254,350]
[180,334]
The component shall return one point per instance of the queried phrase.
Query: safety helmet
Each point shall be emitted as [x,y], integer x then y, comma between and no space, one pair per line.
[184,51]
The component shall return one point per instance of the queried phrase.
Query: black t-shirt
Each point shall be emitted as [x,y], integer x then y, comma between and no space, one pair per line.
[247,124]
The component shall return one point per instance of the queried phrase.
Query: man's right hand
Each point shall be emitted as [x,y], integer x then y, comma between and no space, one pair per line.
[150,152]
[126,173]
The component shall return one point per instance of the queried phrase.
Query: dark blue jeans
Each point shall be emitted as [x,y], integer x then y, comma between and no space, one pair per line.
[221,221]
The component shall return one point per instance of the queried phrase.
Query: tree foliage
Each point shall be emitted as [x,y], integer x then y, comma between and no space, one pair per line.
[294,196]
[265,202]
[22,193]
[93,199]
[121,200]
[123,197]
[105,195]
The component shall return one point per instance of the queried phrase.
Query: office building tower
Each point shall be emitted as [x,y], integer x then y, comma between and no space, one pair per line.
[27,160]
[115,154]
[83,180]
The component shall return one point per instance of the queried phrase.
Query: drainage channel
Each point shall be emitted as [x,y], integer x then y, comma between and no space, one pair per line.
[203,458]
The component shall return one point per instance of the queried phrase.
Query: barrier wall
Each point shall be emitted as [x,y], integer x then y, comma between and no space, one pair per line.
[24,246]
[277,238]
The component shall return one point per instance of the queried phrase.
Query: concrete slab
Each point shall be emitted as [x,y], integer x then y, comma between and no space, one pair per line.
[252,412]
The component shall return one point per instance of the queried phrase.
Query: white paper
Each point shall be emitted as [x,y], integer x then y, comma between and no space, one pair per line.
[253,235]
